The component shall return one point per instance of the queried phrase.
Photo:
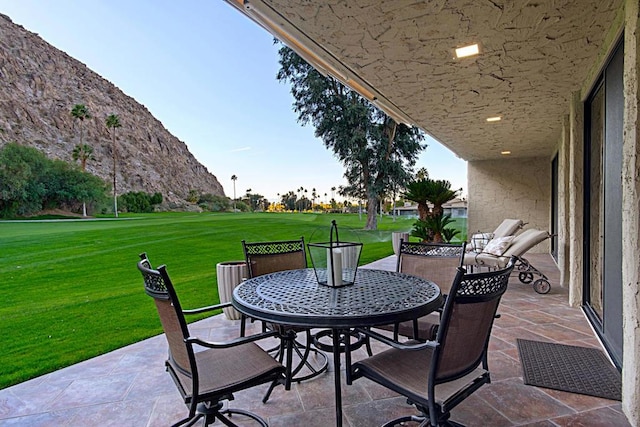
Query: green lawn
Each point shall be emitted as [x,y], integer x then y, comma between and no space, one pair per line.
[71,289]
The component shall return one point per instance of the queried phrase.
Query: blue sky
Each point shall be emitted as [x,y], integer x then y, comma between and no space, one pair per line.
[208,74]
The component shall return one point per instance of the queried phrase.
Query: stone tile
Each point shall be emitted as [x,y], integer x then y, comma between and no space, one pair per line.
[502,367]
[497,344]
[29,398]
[46,419]
[507,320]
[473,409]
[604,417]
[578,402]
[378,412]
[319,393]
[166,410]
[512,334]
[310,418]
[152,382]
[556,333]
[130,413]
[92,391]
[521,403]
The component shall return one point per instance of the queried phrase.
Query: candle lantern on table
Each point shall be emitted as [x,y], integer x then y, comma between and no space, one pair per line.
[335,262]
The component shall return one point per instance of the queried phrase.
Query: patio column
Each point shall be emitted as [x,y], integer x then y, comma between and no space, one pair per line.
[564,208]
[576,191]
[631,218]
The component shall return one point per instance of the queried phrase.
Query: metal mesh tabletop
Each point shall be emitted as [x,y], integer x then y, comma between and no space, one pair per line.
[377,297]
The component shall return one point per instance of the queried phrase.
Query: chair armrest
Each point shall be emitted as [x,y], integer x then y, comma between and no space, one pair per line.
[411,345]
[207,308]
[232,343]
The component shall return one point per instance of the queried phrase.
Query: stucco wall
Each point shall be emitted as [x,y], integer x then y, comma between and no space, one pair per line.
[631,217]
[510,188]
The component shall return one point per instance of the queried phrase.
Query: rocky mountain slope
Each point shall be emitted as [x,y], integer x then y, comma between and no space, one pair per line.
[39,85]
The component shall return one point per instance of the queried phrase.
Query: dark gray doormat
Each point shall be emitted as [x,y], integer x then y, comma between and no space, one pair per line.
[569,368]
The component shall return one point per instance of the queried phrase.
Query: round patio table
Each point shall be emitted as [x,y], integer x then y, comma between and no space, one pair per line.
[378,297]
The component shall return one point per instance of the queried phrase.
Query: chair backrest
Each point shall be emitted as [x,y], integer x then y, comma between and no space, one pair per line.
[466,322]
[525,241]
[437,262]
[157,284]
[508,227]
[269,257]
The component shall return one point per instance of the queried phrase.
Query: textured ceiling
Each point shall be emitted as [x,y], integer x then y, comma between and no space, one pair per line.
[534,54]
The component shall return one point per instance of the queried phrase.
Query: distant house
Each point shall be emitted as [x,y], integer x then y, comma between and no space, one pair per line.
[456,208]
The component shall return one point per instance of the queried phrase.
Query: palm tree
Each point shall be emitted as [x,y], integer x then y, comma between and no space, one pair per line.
[83,152]
[419,191]
[81,112]
[113,122]
[441,193]
[234,179]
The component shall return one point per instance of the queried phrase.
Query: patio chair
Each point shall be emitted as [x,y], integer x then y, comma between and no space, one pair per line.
[206,378]
[436,376]
[507,227]
[437,262]
[270,257]
[498,255]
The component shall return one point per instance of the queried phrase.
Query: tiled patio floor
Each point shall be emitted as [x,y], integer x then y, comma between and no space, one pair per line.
[129,386]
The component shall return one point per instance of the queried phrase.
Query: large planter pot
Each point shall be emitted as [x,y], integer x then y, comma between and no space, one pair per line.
[395,240]
[230,274]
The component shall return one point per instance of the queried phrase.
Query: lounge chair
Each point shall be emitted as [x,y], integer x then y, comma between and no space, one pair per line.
[498,251]
[507,227]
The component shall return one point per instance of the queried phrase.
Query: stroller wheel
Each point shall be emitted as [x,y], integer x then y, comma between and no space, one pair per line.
[542,286]
[525,277]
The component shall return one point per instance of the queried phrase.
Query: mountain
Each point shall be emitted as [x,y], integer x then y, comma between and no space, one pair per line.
[40,84]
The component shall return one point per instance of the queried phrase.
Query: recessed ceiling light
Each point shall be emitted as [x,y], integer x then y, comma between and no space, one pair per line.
[505,152]
[494,119]
[465,51]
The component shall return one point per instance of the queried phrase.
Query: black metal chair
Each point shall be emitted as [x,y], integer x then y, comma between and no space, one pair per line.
[270,257]
[436,376]
[206,378]
[437,262]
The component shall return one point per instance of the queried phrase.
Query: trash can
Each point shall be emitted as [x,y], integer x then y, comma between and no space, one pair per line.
[395,240]
[230,274]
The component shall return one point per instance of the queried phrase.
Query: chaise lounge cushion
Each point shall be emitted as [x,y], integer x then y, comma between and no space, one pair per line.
[498,246]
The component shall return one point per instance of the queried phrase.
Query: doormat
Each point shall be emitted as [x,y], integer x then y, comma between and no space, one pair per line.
[569,368]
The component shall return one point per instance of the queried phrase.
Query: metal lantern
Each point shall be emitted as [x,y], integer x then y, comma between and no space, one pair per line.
[334,262]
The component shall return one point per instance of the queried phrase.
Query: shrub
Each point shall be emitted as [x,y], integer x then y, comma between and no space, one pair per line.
[138,201]
[214,203]
[30,182]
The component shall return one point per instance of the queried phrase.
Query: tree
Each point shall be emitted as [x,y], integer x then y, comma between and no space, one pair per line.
[30,182]
[436,192]
[113,122]
[374,150]
[419,192]
[83,152]
[441,193]
[234,179]
[81,112]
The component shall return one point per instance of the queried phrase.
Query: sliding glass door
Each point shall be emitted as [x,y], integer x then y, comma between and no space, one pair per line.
[603,206]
